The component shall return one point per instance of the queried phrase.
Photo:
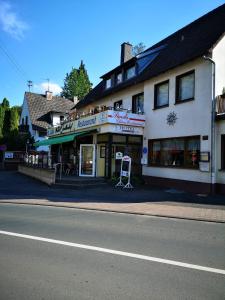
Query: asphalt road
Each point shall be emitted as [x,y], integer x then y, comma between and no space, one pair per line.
[35,269]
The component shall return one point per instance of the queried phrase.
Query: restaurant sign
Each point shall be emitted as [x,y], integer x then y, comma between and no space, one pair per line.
[107,117]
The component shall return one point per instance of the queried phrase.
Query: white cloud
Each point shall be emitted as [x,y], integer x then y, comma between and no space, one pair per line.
[10,22]
[43,87]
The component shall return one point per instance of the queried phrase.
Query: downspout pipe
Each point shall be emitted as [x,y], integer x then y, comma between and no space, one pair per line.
[213,133]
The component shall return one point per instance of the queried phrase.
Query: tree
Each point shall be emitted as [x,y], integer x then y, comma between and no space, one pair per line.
[138,49]
[5,103]
[77,83]
[14,118]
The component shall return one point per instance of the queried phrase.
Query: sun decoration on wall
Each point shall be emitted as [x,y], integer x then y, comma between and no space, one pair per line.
[171,118]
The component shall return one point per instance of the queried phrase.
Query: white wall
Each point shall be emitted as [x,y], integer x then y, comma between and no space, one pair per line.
[219,58]
[193,117]
[220,129]
[24,114]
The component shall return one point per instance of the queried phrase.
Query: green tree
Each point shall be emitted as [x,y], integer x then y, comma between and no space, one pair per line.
[76,83]
[14,118]
[5,103]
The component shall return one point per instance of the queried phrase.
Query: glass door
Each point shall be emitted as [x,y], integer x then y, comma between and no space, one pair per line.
[87,160]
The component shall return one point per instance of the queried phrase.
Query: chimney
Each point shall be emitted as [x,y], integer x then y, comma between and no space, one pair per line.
[48,95]
[75,100]
[126,52]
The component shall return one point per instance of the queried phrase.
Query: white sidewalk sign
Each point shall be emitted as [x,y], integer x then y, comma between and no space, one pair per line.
[125,170]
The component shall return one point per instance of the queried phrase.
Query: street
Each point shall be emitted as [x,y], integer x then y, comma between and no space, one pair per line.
[37,269]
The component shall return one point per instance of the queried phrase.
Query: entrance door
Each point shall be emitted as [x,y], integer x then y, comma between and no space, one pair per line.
[87,160]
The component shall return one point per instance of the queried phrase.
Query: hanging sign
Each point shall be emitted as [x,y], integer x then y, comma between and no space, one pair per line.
[125,171]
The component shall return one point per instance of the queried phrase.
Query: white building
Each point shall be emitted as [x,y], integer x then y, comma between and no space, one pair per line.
[39,112]
[157,108]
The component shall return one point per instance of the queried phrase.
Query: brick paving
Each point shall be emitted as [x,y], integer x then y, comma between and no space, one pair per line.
[150,209]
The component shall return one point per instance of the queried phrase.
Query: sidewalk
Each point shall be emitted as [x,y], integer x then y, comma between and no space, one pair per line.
[151,201]
[171,210]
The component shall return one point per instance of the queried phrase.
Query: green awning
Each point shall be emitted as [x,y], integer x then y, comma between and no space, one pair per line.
[59,140]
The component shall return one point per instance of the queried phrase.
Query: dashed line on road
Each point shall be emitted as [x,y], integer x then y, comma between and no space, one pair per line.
[116,252]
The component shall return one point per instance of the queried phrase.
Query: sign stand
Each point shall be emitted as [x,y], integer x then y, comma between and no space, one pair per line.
[125,162]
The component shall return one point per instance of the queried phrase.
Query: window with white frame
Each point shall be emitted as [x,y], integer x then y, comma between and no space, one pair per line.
[161,98]
[185,87]
[138,104]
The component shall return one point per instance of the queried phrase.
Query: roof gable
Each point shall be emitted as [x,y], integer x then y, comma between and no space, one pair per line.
[39,108]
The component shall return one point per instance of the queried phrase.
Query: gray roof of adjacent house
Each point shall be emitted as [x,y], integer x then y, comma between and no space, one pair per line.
[40,109]
[192,41]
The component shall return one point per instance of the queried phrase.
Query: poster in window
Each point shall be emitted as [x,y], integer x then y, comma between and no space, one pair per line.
[102,152]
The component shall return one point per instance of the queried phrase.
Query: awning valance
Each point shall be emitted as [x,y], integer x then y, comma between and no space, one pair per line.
[59,140]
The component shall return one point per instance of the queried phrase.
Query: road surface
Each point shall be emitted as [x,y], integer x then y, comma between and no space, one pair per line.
[60,253]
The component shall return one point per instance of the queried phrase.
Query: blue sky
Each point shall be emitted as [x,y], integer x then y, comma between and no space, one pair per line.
[45,39]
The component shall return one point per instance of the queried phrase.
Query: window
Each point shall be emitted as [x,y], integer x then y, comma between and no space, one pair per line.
[223,152]
[161,98]
[22,121]
[61,118]
[185,87]
[130,73]
[175,152]
[108,83]
[26,120]
[118,78]
[138,104]
[118,105]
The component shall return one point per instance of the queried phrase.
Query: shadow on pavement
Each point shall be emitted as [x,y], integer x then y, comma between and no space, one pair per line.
[17,186]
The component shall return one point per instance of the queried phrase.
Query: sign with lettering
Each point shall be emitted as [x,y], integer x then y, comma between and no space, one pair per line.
[125,171]
[126,122]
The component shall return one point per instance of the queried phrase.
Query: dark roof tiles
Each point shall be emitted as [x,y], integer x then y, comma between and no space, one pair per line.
[39,107]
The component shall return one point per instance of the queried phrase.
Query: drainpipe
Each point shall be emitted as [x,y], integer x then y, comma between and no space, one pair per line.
[213,154]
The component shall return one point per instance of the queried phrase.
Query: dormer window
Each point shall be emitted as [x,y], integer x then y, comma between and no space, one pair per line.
[118,78]
[108,83]
[129,73]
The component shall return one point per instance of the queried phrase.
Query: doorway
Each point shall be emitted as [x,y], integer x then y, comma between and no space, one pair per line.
[87,160]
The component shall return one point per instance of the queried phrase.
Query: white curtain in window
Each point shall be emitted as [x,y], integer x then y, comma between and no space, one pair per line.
[162,94]
[187,87]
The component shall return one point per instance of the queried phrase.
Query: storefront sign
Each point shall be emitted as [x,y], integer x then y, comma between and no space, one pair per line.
[9,155]
[127,122]
[87,122]
[119,155]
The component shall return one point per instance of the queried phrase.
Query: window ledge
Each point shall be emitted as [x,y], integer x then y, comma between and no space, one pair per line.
[183,101]
[159,107]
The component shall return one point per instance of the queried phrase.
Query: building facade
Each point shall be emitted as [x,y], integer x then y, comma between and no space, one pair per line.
[164,107]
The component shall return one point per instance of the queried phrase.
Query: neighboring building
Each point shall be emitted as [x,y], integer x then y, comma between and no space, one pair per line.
[157,108]
[39,112]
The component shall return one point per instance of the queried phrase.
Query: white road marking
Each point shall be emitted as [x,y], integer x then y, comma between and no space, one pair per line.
[116,252]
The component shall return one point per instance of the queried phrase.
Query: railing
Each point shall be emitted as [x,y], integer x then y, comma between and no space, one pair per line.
[220,104]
